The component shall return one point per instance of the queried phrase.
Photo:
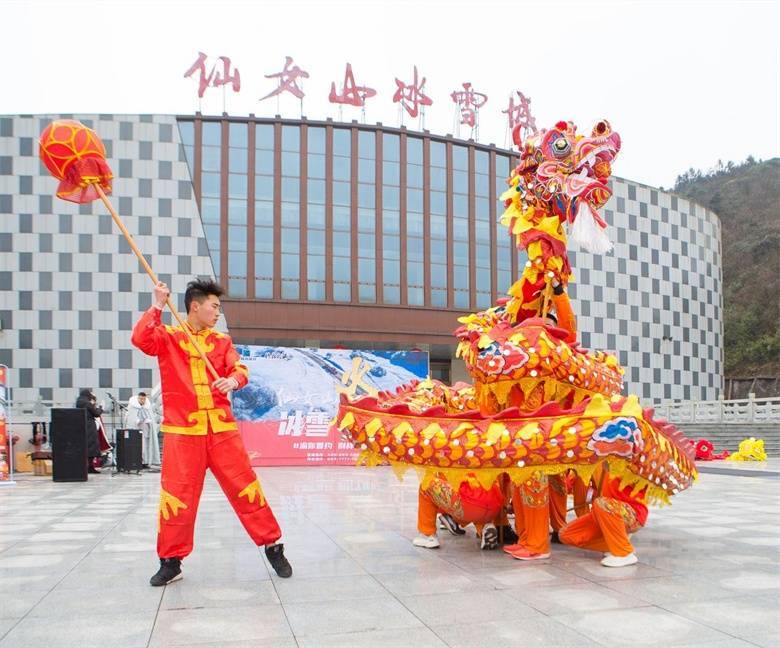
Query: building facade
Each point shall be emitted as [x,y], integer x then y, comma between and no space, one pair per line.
[327,234]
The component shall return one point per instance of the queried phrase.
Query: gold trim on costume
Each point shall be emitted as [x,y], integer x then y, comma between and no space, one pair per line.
[252,491]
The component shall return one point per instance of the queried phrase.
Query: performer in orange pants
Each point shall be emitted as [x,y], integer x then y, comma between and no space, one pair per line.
[200,431]
[558,496]
[583,494]
[613,516]
[470,503]
[530,502]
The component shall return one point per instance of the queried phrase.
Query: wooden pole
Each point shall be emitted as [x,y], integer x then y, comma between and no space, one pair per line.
[546,296]
[154,278]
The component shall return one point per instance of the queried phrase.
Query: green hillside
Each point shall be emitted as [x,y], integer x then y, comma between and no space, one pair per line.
[747,198]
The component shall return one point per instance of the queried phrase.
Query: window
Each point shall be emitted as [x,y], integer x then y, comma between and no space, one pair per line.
[291,208]
[366,216]
[237,210]
[342,218]
[460,226]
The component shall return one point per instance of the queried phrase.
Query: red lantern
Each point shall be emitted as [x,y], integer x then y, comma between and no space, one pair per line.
[75,156]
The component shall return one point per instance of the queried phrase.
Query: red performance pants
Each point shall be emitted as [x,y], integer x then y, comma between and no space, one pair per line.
[185,459]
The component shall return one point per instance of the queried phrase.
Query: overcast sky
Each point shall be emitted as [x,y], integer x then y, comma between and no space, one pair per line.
[684,82]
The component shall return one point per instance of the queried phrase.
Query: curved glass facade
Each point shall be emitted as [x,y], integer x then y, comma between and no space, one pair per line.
[350,213]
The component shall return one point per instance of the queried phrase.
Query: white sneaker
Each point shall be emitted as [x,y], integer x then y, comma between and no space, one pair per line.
[426,541]
[619,561]
[489,537]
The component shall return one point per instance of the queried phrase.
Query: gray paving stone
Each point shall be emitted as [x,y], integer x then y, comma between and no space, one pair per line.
[359,581]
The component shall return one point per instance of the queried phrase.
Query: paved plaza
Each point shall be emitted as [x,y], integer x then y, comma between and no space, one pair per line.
[75,560]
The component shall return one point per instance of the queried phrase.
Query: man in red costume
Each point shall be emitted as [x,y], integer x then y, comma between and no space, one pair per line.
[200,431]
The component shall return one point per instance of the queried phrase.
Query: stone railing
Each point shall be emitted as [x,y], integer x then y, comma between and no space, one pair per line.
[747,410]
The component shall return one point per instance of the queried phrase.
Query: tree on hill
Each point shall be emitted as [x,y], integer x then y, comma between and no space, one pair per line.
[746,197]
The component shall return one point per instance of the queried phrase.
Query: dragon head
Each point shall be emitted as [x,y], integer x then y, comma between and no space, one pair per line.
[566,175]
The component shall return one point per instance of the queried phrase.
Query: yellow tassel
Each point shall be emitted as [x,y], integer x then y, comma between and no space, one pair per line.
[373,426]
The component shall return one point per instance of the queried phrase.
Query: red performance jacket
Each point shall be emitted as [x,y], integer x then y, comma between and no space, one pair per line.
[189,402]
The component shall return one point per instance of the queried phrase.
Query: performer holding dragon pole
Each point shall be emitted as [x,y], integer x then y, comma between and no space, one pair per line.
[200,431]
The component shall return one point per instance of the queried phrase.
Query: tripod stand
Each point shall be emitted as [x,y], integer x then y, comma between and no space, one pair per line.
[116,406]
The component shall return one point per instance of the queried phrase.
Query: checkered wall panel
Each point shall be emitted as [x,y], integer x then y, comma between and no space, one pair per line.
[70,287]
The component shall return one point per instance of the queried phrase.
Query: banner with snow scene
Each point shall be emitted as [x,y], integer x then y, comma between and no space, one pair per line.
[285,410]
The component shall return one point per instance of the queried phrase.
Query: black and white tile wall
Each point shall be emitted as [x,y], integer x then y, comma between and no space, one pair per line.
[70,287]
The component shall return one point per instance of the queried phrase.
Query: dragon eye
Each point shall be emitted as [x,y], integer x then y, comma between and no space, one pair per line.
[561,147]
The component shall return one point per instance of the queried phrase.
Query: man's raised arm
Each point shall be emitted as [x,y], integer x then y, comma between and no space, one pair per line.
[149,332]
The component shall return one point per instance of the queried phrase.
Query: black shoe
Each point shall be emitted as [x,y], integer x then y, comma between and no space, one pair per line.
[275,555]
[507,535]
[448,522]
[489,540]
[554,538]
[170,570]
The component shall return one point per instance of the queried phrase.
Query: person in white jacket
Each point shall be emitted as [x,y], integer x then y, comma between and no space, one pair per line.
[141,416]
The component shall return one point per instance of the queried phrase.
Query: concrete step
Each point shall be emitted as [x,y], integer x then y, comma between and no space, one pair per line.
[727,436]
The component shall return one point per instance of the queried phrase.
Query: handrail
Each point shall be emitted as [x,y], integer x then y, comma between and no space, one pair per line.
[744,410]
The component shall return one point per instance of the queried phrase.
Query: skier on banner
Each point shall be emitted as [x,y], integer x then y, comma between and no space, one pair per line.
[200,429]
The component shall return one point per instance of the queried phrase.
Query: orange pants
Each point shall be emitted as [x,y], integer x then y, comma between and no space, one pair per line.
[580,497]
[580,491]
[604,529]
[426,514]
[558,501]
[531,505]
[185,459]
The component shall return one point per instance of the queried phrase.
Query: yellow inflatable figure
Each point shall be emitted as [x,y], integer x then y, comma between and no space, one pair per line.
[751,449]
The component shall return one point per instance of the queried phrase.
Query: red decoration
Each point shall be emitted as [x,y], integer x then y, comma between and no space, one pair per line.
[214,78]
[75,156]
[520,117]
[288,80]
[480,505]
[412,96]
[705,451]
[351,93]
[469,102]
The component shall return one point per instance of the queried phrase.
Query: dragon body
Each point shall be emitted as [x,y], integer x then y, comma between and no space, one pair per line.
[539,402]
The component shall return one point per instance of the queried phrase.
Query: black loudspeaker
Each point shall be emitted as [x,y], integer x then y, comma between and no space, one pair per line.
[128,450]
[69,444]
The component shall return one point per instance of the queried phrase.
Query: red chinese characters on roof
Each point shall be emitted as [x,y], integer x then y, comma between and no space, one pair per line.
[519,114]
[214,78]
[469,102]
[288,80]
[351,93]
[411,96]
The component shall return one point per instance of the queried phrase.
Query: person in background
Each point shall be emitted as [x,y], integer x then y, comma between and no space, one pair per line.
[140,416]
[87,401]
